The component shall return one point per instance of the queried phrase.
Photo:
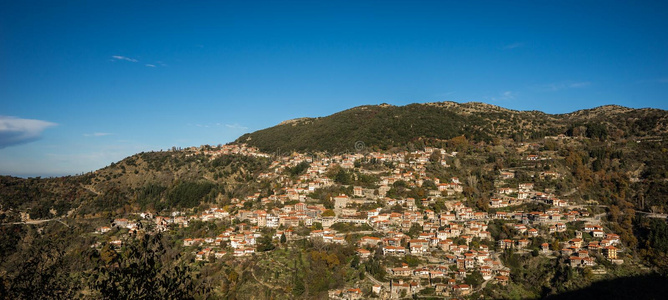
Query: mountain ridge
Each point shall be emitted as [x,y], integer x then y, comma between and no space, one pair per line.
[385,126]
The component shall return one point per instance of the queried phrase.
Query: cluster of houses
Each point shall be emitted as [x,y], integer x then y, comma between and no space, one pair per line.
[445,239]
[231,149]
[579,252]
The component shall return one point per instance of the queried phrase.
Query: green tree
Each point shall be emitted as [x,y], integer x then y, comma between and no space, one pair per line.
[143,272]
[265,243]
[355,262]
[42,275]
[415,230]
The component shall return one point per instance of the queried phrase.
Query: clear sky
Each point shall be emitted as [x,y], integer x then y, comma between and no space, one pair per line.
[87,83]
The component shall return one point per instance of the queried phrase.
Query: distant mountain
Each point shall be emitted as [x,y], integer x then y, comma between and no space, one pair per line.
[384,126]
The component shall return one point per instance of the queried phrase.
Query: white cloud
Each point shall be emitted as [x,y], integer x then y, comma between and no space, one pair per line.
[96,134]
[557,86]
[236,126]
[119,57]
[150,65]
[579,84]
[507,95]
[513,46]
[16,131]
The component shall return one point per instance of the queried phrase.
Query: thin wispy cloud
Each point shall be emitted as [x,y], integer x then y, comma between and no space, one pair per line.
[15,131]
[125,58]
[443,95]
[507,95]
[579,84]
[150,65]
[236,126]
[558,86]
[513,46]
[97,134]
[662,80]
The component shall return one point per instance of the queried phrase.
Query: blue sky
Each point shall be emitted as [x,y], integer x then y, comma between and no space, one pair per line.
[86,83]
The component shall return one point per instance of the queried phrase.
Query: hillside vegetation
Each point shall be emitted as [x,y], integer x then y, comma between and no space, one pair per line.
[148,180]
[381,127]
[610,162]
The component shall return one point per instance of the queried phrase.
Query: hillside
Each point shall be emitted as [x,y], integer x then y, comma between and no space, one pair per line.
[147,180]
[235,222]
[381,127]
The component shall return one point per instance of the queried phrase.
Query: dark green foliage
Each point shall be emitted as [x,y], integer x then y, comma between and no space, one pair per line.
[144,271]
[150,194]
[265,243]
[415,230]
[190,194]
[411,260]
[645,287]
[597,130]
[354,263]
[349,227]
[11,235]
[299,288]
[342,176]
[657,235]
[474,279]
[110,199]
[384,127]
[653,241]
[429,185]
[298,169]
[366,180]
[42,195]
[325,194]
[378,127]
[43,274]
[427,291]
[374,267]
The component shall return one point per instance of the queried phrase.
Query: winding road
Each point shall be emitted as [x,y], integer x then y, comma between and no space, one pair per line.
[36,222]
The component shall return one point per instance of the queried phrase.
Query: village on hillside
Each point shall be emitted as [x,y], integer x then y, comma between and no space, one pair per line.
[458,246]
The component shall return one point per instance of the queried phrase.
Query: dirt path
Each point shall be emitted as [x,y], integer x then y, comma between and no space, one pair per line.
[267,285]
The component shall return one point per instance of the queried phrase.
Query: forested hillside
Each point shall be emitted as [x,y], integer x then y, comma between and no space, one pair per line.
[381,127]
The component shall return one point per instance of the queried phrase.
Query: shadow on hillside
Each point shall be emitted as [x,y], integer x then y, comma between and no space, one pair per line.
[640,287]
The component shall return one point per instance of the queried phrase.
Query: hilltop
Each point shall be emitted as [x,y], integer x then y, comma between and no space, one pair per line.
[382,127]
